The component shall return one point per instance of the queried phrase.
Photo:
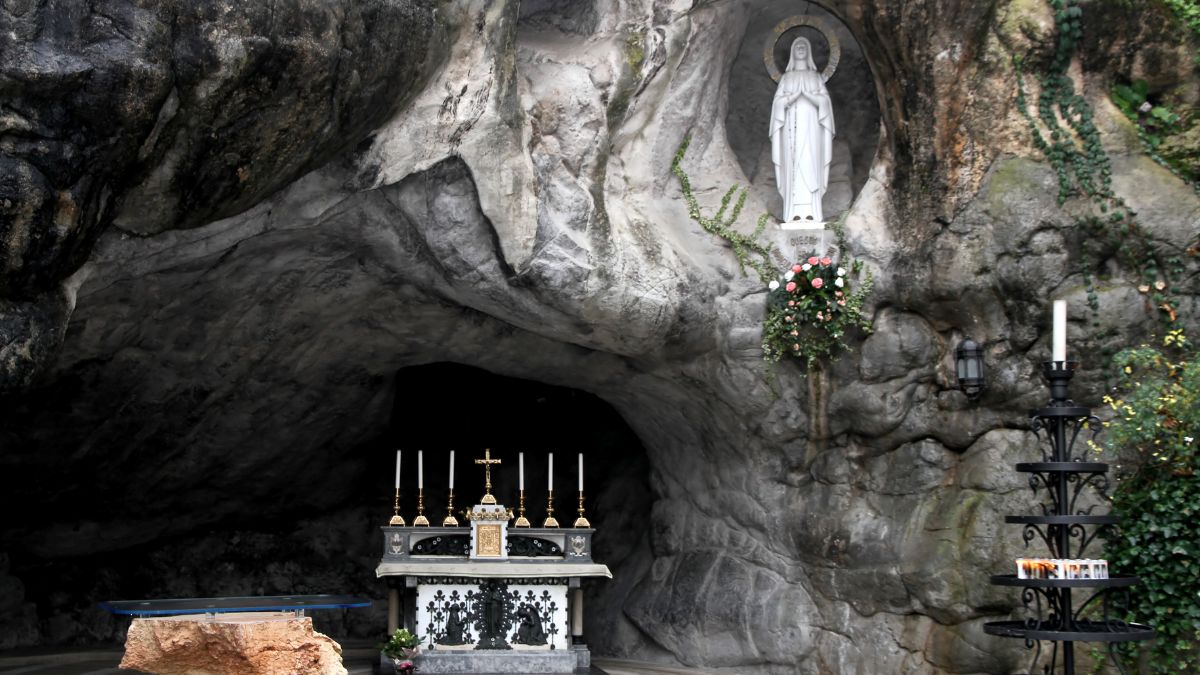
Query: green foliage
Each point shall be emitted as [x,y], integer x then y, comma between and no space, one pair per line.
[1188,12]
[401,645]
[1157,417]
[810,310]
[1065,131]
[1154,124]
[743,246]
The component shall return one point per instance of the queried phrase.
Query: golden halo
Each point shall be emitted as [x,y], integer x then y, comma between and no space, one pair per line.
[816,23]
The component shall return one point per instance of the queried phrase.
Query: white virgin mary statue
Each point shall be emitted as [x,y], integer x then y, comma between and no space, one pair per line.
[801,136]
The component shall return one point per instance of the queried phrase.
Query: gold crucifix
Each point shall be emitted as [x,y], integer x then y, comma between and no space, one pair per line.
[487,463]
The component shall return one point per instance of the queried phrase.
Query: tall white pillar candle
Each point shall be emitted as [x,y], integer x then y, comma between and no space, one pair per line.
[420,469]
[1059,352]
[581,472]
[520,471]
[451,469]
[550,475]
[397,469]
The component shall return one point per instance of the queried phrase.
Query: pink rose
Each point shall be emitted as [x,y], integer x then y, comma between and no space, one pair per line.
[795,334]
[838,293]
[826,262]
[818,282]
[814,260]
[797,269]
[796,347]
[791,303]
[842,303]
[820,316]
[791,286]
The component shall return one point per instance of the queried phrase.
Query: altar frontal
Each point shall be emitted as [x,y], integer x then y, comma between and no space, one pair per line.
[503,596]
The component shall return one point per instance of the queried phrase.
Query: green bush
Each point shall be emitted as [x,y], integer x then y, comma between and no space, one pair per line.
[1156,425]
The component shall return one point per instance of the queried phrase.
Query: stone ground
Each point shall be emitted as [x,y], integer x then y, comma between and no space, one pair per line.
[358,657]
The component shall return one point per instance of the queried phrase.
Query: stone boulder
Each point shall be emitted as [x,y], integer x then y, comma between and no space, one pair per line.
[251,643]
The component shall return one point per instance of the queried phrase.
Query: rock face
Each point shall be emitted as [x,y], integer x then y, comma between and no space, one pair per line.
[253,643]
[212,292]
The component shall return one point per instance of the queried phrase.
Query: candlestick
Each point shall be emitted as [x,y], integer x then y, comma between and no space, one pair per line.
[550,520]
[397,469]
[396,519]
[521,471]
[581,473]
[450,520]
[522,521]
[451,471]
[581,521]
[420,469]
[550,474]
[1059,351]
[420,520]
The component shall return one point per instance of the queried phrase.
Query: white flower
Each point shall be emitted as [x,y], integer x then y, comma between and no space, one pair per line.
[789,275]
[841,271]
[773,285]
[1187,439]
[806,267]
[839,282]
[1145,107]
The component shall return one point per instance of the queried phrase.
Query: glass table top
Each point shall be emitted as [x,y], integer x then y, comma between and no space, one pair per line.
[261,603]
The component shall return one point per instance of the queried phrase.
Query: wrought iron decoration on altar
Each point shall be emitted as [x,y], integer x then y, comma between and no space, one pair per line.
[492,617]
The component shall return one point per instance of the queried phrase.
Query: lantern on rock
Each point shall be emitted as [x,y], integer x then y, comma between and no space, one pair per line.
[968,365]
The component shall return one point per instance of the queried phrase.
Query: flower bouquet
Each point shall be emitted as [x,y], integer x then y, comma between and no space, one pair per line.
[810,310]
[401,647]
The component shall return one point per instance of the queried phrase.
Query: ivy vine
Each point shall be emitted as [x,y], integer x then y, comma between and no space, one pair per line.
[1064,131]
[749,250]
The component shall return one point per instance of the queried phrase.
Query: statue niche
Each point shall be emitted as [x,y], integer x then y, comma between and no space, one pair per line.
[805,128]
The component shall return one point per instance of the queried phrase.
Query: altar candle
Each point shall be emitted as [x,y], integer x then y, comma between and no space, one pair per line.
[521,471]
[581,472]
[420,469]
[1060,331]
[451,469]
[397,469]
[550,475]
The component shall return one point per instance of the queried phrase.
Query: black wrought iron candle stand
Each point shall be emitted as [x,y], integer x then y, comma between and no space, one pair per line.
[1067,529]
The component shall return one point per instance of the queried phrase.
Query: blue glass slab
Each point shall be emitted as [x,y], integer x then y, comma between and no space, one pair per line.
[261,603]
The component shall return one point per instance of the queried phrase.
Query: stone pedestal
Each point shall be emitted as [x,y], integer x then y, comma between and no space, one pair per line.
[796,243]
[250,643]
[494,661]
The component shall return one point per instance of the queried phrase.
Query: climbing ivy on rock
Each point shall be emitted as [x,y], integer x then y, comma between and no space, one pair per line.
[750,251]
[1064,130]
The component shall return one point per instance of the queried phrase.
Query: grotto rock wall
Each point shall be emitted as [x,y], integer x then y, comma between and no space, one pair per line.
[212,295]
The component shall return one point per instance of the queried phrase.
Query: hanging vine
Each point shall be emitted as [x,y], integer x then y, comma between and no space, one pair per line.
[749,250]
[1065,131]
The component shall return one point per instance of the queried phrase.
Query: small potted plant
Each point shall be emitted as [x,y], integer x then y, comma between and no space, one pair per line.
[401,647]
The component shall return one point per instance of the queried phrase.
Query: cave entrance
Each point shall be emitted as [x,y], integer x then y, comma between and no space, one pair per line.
[448,406]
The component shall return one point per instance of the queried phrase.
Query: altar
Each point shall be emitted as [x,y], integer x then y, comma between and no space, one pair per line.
[494,598]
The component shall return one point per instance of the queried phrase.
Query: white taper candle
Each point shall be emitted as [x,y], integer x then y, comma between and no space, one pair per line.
[520,471]
[581,472]
[550,475]
[420,469]
[1059,352]
[397,469]
[451,469]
